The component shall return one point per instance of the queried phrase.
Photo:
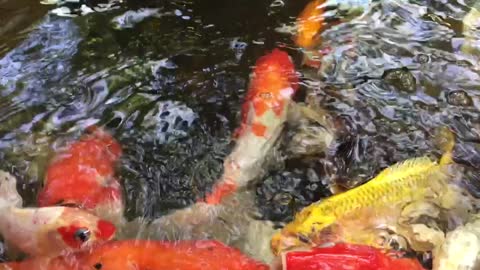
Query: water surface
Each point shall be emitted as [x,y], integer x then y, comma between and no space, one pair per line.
[167,78]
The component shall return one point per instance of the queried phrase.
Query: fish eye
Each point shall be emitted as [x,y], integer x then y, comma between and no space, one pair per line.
[82,234]
[304,239]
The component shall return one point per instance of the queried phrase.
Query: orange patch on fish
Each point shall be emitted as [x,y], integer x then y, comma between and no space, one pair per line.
[344,256]
[83,174]
[220,191]
[259,129]
[310,23]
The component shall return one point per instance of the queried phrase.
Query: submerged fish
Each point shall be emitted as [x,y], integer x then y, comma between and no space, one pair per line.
[147,255]
[346,257]
[263,115]
[309,24]
[84,176]
[264,112]
[344,217]
[316,17]
[47,231]
[461,248]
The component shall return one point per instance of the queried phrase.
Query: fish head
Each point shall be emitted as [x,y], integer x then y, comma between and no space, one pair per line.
[273,80]
[273,83]
[309,229]
[79,229]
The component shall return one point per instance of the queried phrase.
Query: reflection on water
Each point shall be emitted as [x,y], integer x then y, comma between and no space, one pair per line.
[16,19]
[168,78]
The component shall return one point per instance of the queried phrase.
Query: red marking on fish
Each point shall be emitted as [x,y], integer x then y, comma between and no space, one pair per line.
[105,230]
[346,257]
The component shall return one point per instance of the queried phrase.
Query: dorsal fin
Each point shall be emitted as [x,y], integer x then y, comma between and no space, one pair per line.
[405,168]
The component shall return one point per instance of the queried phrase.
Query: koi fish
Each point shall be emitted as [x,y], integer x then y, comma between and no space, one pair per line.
[316,17]
[346,257]
[47,231]
[366,207]
[309,24]
[460,249]
[263,115]
[145,255]
[264,112]
[83,176]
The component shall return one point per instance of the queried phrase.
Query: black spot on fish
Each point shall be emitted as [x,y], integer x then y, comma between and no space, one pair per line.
[98,266]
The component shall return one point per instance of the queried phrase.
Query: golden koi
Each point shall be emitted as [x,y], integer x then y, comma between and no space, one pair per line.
[372,204]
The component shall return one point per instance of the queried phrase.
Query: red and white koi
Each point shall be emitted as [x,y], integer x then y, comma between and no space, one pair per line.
[47,231]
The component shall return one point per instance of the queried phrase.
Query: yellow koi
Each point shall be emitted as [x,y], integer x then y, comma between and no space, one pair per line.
[372,204]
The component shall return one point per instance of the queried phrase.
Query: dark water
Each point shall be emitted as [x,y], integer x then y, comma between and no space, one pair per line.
[170,86]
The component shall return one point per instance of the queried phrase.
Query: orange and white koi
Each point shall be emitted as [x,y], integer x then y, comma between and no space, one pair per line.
[47,231]
[84,176]
[264,113]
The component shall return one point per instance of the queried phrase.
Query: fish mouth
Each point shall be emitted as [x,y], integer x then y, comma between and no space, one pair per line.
[288,242]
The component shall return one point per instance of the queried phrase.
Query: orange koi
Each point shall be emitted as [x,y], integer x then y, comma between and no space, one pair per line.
[83,175]
[47,231]
[309,23]
[146,255]
[263,116]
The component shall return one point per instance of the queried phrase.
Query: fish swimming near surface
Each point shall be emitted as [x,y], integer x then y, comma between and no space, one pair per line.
[309,24]
[83,175]
[264,112]
[47,231]
[346,257]
[355,215]
[146,255]
[263,116]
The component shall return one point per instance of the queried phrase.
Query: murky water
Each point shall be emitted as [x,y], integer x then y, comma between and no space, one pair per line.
[169,82]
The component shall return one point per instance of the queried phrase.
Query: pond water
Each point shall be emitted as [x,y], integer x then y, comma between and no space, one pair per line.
[168,82]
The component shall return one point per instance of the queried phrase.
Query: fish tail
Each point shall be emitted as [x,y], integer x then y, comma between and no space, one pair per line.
[9,196]
[445,140]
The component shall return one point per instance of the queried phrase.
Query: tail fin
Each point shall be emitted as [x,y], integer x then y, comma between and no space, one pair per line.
[9,196]
[445,139]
